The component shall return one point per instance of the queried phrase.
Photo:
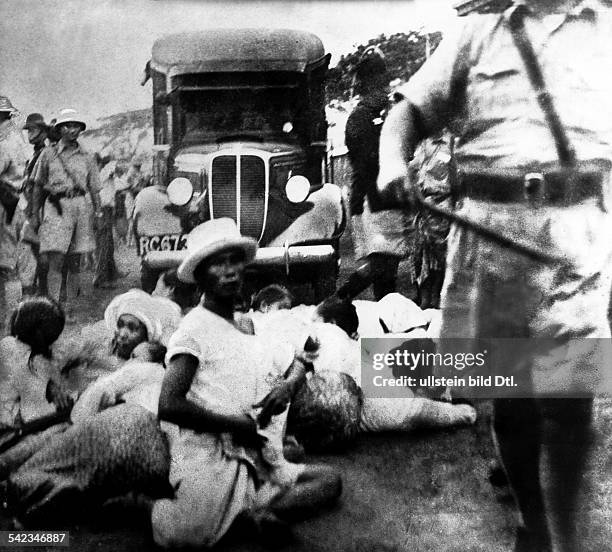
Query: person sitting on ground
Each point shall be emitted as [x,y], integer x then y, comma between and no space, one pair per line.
[114,448]
[132,318]
[31,385]
[214,377]
[138,381]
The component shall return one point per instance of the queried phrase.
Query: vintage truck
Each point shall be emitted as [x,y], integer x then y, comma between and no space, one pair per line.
[240,132]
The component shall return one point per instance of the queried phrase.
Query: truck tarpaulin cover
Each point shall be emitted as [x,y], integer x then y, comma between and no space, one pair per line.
[226,50]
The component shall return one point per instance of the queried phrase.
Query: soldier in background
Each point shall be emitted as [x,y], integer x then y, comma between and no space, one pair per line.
[380,238]
[534,153]
[38,131]
[63,176]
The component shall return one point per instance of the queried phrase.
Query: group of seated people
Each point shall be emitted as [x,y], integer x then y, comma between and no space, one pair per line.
[197,419]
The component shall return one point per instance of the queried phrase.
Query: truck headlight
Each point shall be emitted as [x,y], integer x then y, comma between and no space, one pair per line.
[180,191]
[297,188]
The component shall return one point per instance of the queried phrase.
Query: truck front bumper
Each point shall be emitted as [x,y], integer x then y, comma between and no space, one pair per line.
[289,256]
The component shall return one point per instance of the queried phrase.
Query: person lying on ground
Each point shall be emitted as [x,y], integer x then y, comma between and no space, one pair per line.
[215,377]
[79,461]
[335,322]
[272,297]
[114,447]
[75,363]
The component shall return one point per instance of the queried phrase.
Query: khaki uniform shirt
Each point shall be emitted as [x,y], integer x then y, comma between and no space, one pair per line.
[50,173]
[476,81]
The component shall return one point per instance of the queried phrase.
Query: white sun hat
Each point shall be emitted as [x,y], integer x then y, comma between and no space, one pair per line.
[70,116]
[209,238]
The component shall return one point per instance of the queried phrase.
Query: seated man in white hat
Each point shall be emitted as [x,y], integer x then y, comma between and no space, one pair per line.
[215,378]
[64,175]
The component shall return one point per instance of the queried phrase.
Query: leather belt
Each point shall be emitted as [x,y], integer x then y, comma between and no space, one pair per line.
[550,188]
[68,194]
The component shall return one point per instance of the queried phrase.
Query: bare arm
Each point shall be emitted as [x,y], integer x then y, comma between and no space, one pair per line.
[174,406]
[277,400]
[399,137]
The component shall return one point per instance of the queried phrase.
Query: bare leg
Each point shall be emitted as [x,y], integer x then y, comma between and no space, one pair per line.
[567,441]
[384,267]
[73,280]
[407,414]
[54,275]
[3,302]
[517,428]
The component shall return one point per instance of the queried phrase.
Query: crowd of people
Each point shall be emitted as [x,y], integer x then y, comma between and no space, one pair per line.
[188,414]
[63,206]
[197,414]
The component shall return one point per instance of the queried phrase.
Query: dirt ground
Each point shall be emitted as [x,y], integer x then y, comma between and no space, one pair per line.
[402,492]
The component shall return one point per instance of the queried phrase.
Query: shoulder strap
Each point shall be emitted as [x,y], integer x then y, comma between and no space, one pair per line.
[565,151]
[68,172]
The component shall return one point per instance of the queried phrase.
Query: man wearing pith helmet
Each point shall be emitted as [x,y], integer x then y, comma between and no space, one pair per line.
[64,175]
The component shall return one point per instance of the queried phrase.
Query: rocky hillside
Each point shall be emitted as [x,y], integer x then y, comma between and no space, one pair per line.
[127,135]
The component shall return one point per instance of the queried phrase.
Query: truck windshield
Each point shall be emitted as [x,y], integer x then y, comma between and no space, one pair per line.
[238,111]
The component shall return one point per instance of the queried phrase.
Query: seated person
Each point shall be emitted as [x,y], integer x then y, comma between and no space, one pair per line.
[108,451]
[138,381]
[31,384]
[131,318]
[214,377]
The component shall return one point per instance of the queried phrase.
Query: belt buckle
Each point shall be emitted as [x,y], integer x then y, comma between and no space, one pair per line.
[533,187]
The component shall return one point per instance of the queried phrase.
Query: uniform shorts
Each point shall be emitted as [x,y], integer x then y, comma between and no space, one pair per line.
[386,231]
[72,232]
[495,293]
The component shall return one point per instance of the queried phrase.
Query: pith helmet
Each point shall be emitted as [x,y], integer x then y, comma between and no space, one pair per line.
[69,116]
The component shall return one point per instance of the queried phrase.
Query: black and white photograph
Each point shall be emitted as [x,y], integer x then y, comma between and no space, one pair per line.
[306,275]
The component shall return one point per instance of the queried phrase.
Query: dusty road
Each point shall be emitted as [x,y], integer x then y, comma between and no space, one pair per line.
[418,492]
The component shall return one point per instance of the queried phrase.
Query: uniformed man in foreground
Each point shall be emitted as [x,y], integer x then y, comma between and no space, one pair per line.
[534,147]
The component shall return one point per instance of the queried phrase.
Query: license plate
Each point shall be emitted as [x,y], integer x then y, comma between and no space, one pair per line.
[161,242]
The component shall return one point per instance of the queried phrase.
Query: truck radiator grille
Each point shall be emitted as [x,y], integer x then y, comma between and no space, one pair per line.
[244,175]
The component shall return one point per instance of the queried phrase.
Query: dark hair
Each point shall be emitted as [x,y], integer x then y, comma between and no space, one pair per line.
[53,134]
[183,294]
[270,294]
[156,350]
[371,71]
[37,322]
[340,312]
[324,413]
